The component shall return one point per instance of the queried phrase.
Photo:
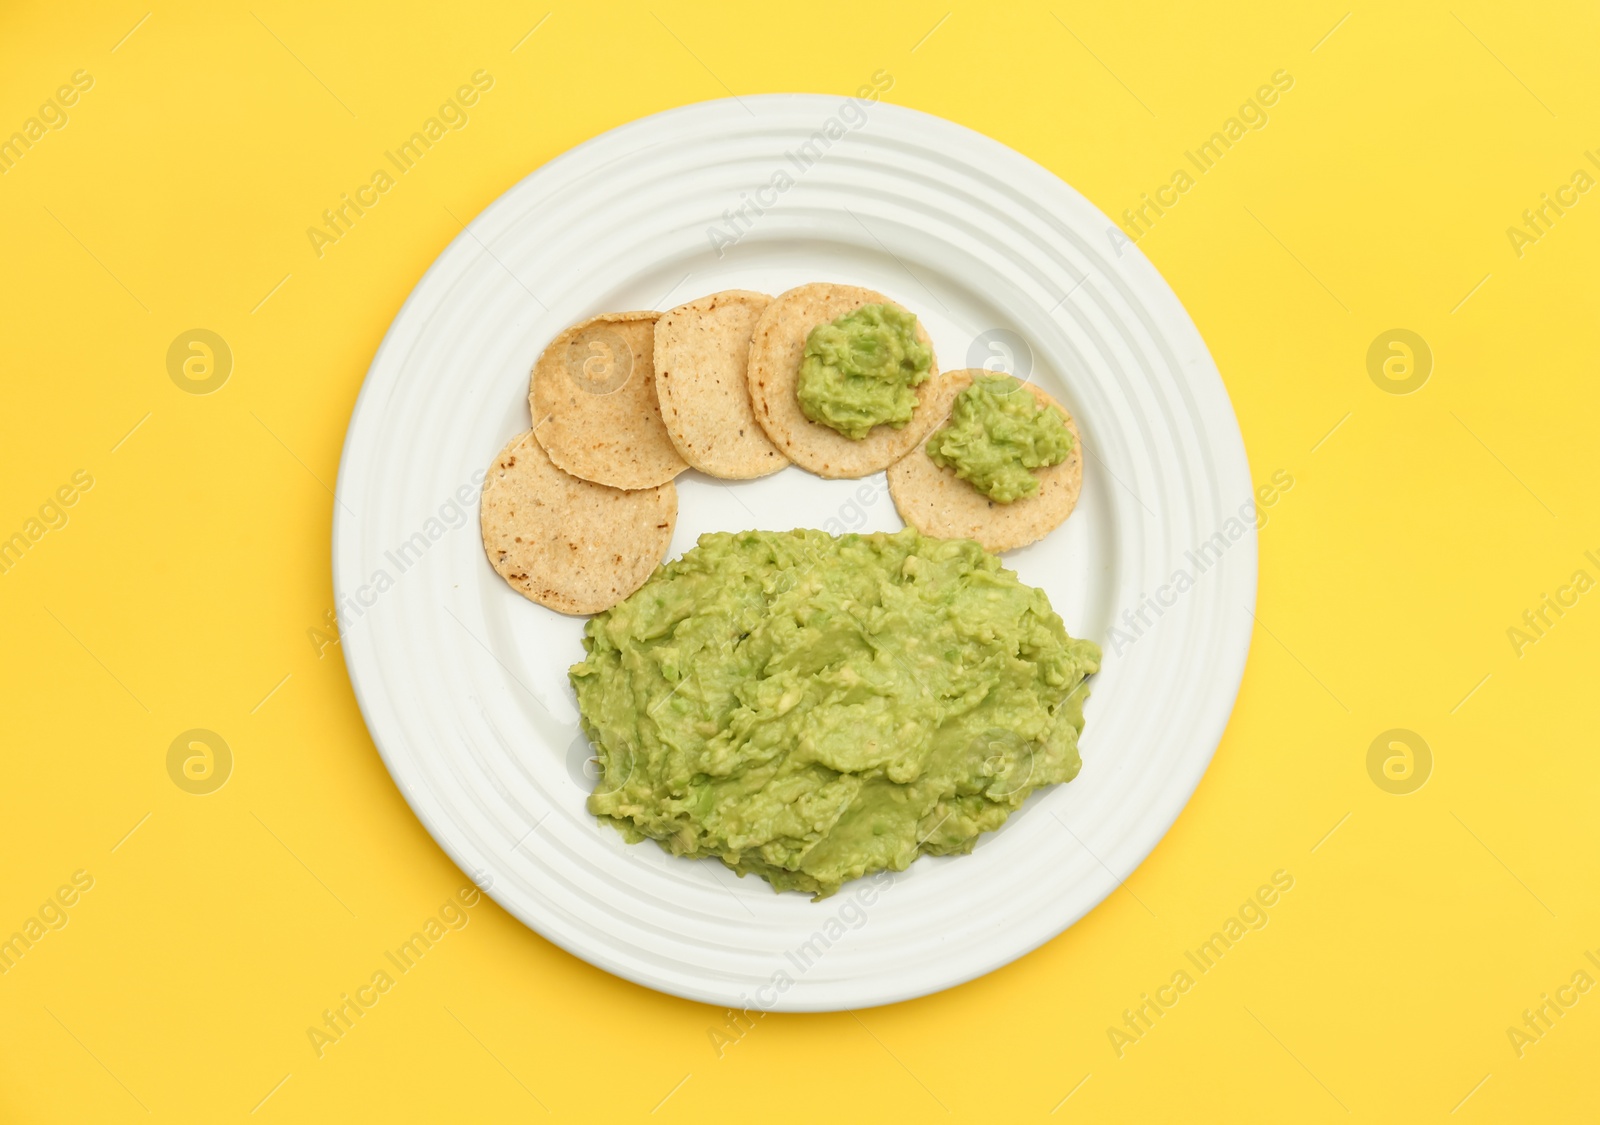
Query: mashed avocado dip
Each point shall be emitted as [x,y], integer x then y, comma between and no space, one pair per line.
[997,432]
[813,709]
[858,372]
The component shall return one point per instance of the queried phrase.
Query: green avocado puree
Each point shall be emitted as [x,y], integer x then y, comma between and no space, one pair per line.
[813,708]
[997,434]
[858,372]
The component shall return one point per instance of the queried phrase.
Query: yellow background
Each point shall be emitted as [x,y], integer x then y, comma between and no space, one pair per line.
[182,588]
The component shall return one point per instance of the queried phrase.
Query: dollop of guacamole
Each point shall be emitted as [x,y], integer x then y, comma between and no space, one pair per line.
[812,708]
[997,434]
[859,371]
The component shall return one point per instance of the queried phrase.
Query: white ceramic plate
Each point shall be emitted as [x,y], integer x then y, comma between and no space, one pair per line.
[463,682]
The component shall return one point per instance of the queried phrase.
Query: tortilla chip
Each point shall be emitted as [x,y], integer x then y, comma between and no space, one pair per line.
[775,351]
[937,502]
[593,397]
[702,355]
[570,544]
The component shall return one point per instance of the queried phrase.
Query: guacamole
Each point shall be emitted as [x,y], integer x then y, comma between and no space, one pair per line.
[858,372]
[997,434]
[811,708]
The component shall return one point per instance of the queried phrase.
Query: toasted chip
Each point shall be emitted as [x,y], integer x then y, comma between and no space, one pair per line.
[701,358]
[570,544]
[593,397]
[775,351]
[937,502]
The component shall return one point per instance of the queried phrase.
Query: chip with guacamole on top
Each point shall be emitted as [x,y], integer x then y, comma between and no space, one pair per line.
[997,434]
[859,370]
[811,708]
[878,366]
[1006,469]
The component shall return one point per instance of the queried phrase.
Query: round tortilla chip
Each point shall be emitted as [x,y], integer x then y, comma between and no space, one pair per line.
[937,502]
[593,398]
[570,544]
[701,358]
[775,352]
